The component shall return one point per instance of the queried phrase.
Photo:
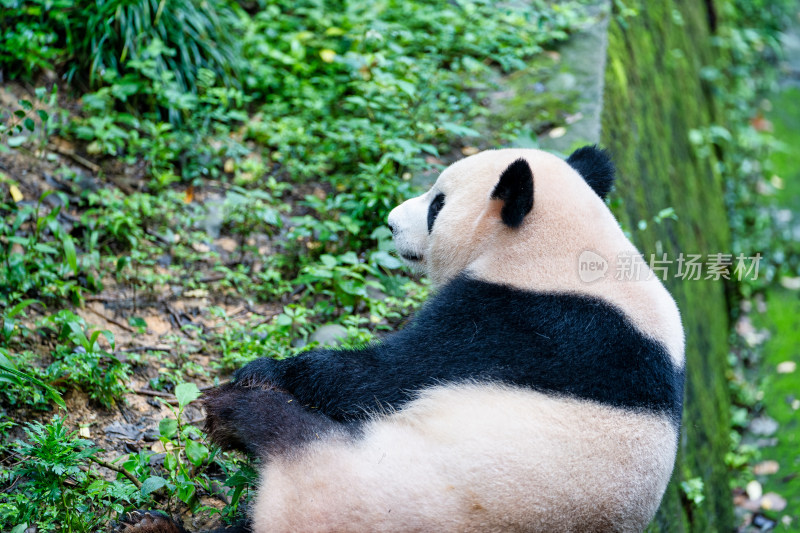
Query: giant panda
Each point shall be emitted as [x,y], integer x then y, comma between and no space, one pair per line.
[522,397]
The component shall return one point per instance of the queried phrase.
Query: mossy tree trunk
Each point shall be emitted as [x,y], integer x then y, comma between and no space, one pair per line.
[653,97]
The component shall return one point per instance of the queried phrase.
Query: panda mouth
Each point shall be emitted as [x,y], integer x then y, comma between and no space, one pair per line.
[411,257]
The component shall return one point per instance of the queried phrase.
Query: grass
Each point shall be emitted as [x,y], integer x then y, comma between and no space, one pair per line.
[785,119]
[780,395]
[781,390]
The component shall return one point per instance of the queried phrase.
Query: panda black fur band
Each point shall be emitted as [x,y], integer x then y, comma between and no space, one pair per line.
[474,330]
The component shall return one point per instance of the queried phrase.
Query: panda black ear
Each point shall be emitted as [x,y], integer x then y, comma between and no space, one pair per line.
[515,190]
[595,165]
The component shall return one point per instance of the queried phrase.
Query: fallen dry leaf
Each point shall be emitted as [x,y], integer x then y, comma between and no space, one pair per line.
[159,447]
[157,325]
[63,144]
[226,243]
[196,293]
[764,426]
[555,56]
[327,55]
[766,468]
[754,490]
[792,284]
[201,247]
[773,502]
[555,133]
[760,123]
[16,194]
[741,501]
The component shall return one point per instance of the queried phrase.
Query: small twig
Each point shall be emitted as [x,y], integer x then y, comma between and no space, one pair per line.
[69,217]
[124,187]
[165,396]
[148,392]
[100,298]
[211,278]
[170,398]
[146,349]
[111,320]
[94,167]
[175,315]
[119,469]
[212,185]
[11,487]
[160,238]
[238,311]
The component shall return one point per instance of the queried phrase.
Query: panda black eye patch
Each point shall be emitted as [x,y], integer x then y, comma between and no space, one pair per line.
[433,210]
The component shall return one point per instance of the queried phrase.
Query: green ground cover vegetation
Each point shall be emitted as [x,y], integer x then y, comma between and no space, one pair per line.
[781,388]
[228,152]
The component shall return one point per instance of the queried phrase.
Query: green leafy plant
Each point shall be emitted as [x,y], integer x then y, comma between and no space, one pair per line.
[78,361]
[247,212]
[23,387]
[104,35]
[184,453]
[693,490]
[187,458]
[55,488]
[28,119]
[37,257]
[36,34]
[84,363]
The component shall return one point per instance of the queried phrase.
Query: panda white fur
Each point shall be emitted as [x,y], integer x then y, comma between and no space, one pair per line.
[521,398]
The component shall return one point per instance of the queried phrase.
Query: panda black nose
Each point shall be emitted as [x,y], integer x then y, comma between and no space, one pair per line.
[392,228]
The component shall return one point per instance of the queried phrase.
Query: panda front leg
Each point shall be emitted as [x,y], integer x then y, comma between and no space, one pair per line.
[261,419]
[348,385]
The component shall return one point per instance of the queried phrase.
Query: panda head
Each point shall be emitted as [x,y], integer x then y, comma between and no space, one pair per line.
[486,206]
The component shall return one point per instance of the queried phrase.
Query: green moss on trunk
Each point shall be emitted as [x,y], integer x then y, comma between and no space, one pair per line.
[653,97]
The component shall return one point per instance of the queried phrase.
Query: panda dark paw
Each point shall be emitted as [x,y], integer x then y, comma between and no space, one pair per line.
[230,408]
[260,420]
[146,522]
